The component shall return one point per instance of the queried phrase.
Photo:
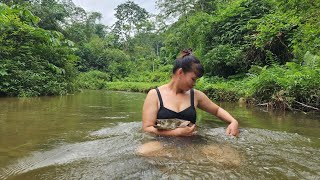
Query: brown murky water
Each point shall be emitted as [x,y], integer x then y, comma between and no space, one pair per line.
[95,135]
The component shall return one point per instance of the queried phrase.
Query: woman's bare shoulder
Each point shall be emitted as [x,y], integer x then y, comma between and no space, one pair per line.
[152,93]
[199,94]
[151,98]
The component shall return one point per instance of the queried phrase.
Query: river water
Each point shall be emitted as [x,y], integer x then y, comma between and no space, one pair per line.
[95,135]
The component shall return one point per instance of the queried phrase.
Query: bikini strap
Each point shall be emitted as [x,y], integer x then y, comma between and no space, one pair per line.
[192,97]
[159,96]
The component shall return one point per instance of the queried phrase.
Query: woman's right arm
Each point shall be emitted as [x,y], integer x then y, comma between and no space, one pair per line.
[149,118]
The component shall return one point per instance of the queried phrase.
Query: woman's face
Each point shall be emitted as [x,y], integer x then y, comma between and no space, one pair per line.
[188,80]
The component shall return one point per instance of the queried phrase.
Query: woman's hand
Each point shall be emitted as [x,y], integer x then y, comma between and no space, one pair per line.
[232,129]
[185,131]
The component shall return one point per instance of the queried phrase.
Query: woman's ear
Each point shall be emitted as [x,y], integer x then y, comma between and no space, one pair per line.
[180,71]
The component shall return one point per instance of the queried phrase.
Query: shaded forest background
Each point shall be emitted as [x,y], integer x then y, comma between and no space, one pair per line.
[262,51]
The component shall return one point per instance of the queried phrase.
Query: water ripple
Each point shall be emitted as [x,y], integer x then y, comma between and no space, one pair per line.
[111,154]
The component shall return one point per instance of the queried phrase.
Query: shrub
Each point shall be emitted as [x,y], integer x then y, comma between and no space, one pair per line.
[92,80]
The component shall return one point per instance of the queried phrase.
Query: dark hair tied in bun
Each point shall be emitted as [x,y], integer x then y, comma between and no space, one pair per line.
[189,63]
[185,52]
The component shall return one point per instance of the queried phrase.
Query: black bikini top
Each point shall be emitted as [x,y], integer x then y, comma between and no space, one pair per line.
[189,113]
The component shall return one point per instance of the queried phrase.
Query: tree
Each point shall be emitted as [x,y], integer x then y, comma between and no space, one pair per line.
[92,27]
[131,19]
[51,12]
[176,8]
[181,10]
[83,31]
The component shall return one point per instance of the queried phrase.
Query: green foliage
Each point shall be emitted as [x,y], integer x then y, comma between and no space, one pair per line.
[52,14]
[119,64]
[92,80]
[131,86]
[190,33]
[221,91]
[145,45]
[100,80]
[302,7]
[96,56]
[266,84]
[300,83]
[175,8]
[131,18]
[271,25]
[223,60]
[290,31]
[313,61]
[91,54]
[85,29]
[290,83]
[225,43]
[275,33]
[230,23]
[33,61]
[161,74]
[275,43]
[307,38]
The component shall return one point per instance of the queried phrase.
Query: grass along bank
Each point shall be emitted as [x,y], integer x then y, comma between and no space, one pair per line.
[100,80]
[288,87]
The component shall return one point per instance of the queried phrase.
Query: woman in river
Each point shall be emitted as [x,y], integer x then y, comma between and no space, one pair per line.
[178,99]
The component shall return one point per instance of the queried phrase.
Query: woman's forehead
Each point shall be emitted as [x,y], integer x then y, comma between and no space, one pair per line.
[192,74]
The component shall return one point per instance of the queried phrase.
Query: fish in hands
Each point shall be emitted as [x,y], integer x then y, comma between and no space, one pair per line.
[170,124]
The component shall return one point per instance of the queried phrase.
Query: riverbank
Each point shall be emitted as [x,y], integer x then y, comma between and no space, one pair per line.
[292,87]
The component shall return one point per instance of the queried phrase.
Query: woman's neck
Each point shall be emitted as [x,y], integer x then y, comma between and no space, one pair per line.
[173,86]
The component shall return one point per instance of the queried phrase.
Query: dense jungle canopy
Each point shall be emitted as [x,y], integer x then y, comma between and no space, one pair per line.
[267,51]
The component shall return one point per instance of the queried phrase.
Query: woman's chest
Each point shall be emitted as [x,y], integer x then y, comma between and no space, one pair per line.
[177,103]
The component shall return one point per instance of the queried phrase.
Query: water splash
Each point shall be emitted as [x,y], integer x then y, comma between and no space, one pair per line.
[111,154]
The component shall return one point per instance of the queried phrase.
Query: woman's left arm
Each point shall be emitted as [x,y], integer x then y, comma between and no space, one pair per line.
[207,105]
